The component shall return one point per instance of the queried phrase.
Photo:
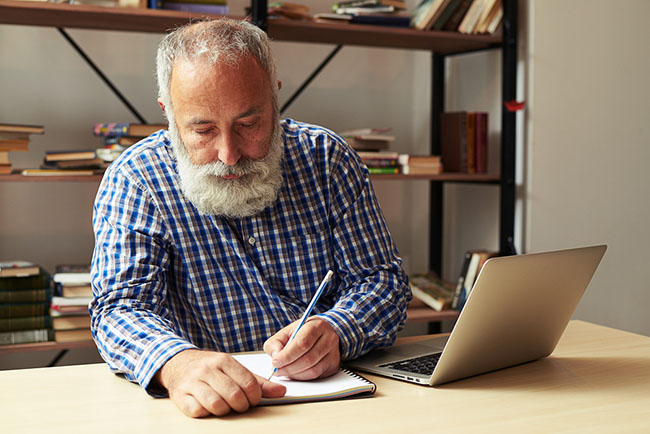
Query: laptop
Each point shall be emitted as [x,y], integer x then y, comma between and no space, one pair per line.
[516,312]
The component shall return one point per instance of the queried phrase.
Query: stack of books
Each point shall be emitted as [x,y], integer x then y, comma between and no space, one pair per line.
[464,16]
[24,303]
[14,137]
[432,290]
[464,141]
[368,139]
[118,136]
[472,264]
[69,308]
[420,164]
[380,163]
[375,12]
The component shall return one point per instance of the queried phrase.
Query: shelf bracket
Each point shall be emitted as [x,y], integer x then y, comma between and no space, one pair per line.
[311,78]
[260,14]
[101,75]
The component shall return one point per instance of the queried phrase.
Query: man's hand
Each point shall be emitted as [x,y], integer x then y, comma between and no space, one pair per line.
[313,353]
[201,383]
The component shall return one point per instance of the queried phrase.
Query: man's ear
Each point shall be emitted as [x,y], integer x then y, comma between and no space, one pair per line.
[279,85]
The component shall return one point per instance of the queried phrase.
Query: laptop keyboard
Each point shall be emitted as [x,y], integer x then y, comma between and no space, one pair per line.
[420,365]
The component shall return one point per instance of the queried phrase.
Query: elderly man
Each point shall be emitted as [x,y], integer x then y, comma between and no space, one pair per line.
[212,237]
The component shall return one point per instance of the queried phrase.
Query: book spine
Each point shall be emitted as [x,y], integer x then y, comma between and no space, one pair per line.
[17,310]
[460,283]
[432,302]
[26,336]
[25,323]
[24,295]
[34,281]
[111,129]
[383,170]
[197,7]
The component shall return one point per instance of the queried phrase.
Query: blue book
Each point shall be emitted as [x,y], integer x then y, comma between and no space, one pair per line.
[200,8]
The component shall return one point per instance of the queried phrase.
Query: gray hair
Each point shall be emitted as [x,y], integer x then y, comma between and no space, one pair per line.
[220,41]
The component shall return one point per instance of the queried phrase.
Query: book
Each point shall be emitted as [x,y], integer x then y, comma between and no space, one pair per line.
[90,164]
[39,281]
[126,129]
[343,384]
[72,155]
[75,335]
[367,140]
[391,20]
[4,157]
[71,322]
[472,16]
[60,172]
[26,336]
[432,290]
[18,269]
[14,145]
[25,295]
[17,310]
[481,139]
[470,142]
[453,141]
[21,129]
[459,292]
[457,16]
[445,15]
[383,170]
[421,164]
[476,262]
[25,323]
[201,8]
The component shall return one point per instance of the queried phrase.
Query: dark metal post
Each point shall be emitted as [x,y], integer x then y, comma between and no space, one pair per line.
[508,128]
[436,188]
[259,12]
[102,76]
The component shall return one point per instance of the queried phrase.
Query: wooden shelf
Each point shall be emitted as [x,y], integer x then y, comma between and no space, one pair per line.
[160,21]
[445,177]
[17,177]
[45,346]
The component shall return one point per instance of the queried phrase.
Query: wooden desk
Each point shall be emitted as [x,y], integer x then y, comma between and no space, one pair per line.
[598,379]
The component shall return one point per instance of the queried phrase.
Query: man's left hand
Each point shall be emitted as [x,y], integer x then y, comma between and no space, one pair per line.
[313,353]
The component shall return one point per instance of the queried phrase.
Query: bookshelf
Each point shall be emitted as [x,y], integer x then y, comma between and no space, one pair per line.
[440,44]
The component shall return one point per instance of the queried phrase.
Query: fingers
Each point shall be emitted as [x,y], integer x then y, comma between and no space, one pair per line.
[313,353]
[277,342]
[201,383]
[271,389]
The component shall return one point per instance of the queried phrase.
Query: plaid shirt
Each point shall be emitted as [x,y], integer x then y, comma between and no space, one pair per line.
[166,278]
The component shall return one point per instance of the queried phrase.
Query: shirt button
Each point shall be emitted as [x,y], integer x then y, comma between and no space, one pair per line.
[251,241]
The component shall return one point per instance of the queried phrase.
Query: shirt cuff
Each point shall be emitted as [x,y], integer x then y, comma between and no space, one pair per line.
[154,356]
[350,337]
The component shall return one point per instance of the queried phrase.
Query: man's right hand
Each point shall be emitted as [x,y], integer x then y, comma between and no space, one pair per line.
[202,383]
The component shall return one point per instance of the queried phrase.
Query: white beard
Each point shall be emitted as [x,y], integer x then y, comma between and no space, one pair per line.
[256,188]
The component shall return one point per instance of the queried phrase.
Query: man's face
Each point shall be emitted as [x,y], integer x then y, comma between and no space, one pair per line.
[222,113]
[226,137]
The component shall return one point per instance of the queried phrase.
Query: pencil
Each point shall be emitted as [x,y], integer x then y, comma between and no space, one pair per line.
[312,303]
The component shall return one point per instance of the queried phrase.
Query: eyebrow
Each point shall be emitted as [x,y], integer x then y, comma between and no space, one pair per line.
[250,112]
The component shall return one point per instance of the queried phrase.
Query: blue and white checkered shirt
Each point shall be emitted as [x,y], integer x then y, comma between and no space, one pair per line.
[166,278]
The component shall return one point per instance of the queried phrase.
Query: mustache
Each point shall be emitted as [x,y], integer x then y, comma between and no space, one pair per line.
[243,167]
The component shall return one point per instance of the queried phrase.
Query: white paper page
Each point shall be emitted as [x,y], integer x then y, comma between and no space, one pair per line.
[341,384]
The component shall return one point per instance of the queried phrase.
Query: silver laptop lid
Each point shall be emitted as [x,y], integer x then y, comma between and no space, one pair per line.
[517,311]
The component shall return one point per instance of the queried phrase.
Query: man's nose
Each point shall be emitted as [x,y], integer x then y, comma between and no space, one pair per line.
[227,150]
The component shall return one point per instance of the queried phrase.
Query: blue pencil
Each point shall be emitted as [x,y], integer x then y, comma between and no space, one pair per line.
[312,303]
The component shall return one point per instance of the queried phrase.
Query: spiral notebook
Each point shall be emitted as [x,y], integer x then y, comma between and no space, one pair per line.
[343,384]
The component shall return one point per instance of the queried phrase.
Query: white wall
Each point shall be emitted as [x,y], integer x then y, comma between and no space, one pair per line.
[588,143]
